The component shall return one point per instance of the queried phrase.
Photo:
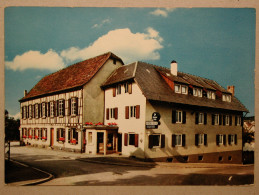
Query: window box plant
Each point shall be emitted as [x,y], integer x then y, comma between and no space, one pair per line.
[73,141]
[44,138]
[62,139]
[36,137]
[24,136]
[99,124]
[88,123]
[30,136]
[112,124]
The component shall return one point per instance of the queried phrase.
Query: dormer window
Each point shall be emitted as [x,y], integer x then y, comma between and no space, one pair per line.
[177,88]
[211,95]
[226,98]
[197,92]
[184,89]
[181,89]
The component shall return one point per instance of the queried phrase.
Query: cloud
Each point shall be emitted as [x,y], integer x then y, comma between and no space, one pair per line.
[102,23]
[16,116]
[162,12]
[36,60]
[124,43]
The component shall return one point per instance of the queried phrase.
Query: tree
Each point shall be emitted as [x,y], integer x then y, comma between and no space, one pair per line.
[11,128]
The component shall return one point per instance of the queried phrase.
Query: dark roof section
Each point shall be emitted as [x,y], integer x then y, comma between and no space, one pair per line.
[154,87]
[73,76]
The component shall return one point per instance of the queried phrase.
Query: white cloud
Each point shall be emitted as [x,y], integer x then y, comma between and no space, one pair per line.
[162,12]
[36,60]
[16,116]
[129,46]
[102,23]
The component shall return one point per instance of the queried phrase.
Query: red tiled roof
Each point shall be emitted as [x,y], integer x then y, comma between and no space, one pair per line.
[73,76]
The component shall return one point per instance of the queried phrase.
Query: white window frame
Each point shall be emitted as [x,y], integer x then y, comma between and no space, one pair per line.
[24,112]
[186,89]
[159,144]
[30,111]
[179,116]
[239,120]
[52,114]
[216,119]
[178,140]
[232,139]
[126,87]
[179,88]
[200,139]
[60,107]
[199,92]
[73,106]
[201,118]
[227,120]
[36,114]
[61,130]
[43,110]
[132,111]
[221,139]
[211,95]
[226,98]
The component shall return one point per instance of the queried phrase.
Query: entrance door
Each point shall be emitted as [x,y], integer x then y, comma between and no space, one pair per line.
[100,144]
[119,142]
[51,136]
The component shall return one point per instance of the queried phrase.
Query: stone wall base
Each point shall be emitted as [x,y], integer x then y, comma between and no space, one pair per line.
[228,157]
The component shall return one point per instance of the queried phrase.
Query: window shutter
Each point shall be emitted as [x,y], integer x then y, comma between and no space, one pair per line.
[213,119]
[220,119]
[39,110]
[125,139]
[183,139]
[174,116]
[224,139]
[69,107]
[77,106]
[55,108]
[116,113]
[217,140]
[173,140]
[150,141]
[136,140]
[27,111]
[126,112]
[57,134]
[205,118]
[137,111]
[196,118]
[162,140]
[235,120]
[48,113]
[230,120]
[46,109]
[196,139]
[224,119]
[114,91]
[229,139]
[130,88]
[236,139]
[107,113]
[76,135]
[184,117]
[69,135]
[63,108]
[205,139]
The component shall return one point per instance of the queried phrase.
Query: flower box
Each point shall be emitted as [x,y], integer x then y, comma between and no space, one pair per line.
[112,124]
[36,137]
[44,138]
[30,136]
[88,123]
[61,139]
[73,141]
[24,136]
[99,124]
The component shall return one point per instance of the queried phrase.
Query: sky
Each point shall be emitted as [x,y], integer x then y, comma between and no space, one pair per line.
[215,43]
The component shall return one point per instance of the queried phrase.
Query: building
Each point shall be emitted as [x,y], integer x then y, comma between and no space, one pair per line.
[146,111]
[55,109]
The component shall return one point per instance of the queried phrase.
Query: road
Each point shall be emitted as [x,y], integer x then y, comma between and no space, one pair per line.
[68,170]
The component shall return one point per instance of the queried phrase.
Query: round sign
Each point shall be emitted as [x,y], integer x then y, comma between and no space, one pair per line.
[156,116]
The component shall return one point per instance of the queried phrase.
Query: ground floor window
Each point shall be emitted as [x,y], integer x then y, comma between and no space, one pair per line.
[131,139]
[156,140]
[30,133]
[61,134]
[36,133]
[24,133]
[72,136]
[90,137]
[44,134]
[178,140]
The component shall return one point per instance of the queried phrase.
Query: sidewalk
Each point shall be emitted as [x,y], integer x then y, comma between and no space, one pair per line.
[20,174]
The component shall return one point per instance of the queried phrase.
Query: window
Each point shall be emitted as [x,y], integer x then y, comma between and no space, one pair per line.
[36,111]
[184,89]
[111,113]
[197,92]
[215,119]
[200,139]
[232,139]
[131,139]
[226,120]
[52,110]
[200,118]
[90,137]
[30,111]
[156,140]
[118,89]
[211,95]
[178,140]
[126,87]
[74,106]
[238,120]
[24,133]
[132,112]
[24,114]
[72,136]
[226,98]
[36,133]
[177,88]
[221,139]
[61,135]
[44,114]
[178,116]
[44,134]
[61,107]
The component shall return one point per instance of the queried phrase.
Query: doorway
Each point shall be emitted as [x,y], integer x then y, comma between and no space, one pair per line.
[119,142]
[100,144]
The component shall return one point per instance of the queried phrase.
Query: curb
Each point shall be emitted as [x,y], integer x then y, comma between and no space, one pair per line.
[31,182]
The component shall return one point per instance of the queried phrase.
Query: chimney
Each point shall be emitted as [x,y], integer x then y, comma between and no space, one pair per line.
[231,89]
[174,68]
[25,93]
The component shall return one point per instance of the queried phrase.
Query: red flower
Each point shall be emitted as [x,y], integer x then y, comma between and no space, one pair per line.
[112,124]
[44,137]
[89,123]
[36,137]
[61,139]
[24,136]
[73,141]
[30,136]
[99,123]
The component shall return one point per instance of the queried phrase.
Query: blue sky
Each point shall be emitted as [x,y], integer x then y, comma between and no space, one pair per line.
[215,43]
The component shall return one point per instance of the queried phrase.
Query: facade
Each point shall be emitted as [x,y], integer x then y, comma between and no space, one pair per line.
[139,110]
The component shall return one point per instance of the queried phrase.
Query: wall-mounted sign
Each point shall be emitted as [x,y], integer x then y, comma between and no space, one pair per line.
[156,116]
[151,124]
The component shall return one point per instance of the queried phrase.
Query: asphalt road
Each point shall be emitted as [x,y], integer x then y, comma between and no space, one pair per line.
[67,170]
